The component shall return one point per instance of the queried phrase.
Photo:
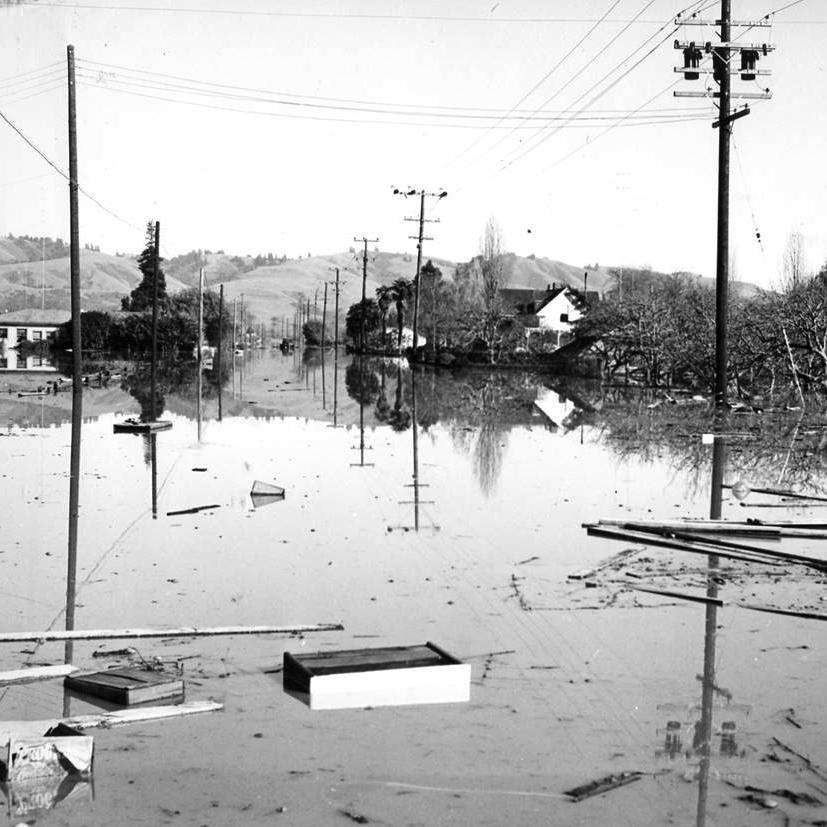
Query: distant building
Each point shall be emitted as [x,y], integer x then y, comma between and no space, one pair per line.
[30,325]
[554,309]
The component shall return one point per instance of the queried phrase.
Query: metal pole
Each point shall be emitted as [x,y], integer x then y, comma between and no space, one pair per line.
[721,65]
[418,269]
[336,350]
[154,363]
[77,356]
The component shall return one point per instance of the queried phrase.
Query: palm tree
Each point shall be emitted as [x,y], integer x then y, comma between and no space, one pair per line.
[384,298]
[402,292]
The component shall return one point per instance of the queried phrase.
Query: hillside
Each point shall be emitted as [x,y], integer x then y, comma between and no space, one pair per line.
[270,291]
[105,279]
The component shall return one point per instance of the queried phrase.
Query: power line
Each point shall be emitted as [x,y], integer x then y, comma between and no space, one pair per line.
[61,172]
[438,18]
[135,78]
[544,78]
[569,122]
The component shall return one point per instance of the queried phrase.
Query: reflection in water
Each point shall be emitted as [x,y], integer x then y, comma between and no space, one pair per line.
[703,743]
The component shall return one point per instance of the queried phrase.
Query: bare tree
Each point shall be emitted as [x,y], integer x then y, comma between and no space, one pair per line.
[792,263]
[491,264]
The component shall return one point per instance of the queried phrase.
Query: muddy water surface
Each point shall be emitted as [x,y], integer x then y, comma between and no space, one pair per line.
[453,514]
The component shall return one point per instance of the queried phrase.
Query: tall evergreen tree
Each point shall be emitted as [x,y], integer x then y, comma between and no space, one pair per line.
[141,297]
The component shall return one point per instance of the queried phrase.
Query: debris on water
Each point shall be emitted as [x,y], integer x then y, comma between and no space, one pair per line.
[61,751]
[385,676]
[193,510]
[602,785]
[127,686]
[199,469]
[359,819]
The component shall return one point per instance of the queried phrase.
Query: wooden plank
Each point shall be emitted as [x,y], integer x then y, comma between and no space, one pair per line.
[602,785]
[140,715]
[699,527]
[37,673]
[186,631]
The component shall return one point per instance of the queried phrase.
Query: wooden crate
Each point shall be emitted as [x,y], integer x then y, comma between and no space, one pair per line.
[387,676]
[127,685]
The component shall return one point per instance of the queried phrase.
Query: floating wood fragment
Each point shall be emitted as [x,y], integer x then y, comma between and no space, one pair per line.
[699,527]
[135,426]
[602,785]
[693,598]
[193,510]
[686,541]
[782,492]
[138,715]
[185,631]
[37,673]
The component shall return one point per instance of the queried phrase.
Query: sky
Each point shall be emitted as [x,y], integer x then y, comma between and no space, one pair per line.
[283,126]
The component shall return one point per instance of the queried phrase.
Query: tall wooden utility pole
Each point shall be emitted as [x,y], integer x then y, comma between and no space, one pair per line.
[419,239]
[720,64]
[365,241]
[77,363]
[154,363]
[722,72]
[220,343]
[324,316]
[199,356]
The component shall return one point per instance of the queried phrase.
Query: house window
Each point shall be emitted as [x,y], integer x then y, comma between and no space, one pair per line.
[21,334]
[37,335]
[4,333]
[564,317]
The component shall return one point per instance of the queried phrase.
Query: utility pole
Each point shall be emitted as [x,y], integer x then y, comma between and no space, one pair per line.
[199,357]
[722,74]
[324,316]
[419,239]
[220,343]
[77,363]
[720,62]
[362,343]
[154,364]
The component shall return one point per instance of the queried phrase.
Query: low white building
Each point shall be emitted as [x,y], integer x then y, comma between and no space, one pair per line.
[30,325]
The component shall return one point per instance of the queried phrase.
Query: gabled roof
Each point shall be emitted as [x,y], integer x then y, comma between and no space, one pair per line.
[573,296]
[33,317]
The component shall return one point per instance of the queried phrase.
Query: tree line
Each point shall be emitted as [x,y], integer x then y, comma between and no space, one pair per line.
[661,331]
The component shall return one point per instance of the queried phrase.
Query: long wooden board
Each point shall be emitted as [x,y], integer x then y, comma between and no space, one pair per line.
[185,631]
[36,673]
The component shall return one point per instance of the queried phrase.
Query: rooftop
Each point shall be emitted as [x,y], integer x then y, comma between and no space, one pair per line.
[35,317]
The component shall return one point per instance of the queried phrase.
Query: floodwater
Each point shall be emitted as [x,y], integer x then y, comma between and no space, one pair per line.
[421,507]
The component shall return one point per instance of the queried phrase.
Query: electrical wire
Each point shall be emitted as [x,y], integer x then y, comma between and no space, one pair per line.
[61,172]
[438,18]
[164,95]
[545,77]
[141,79]
[747,194]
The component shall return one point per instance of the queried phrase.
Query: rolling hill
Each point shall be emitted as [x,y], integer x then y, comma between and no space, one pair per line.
[269,292]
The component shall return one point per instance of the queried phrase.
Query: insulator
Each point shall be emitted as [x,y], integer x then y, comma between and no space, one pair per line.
[749,57]
[691,62]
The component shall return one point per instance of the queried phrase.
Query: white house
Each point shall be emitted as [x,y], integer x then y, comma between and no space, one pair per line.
[560,309]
